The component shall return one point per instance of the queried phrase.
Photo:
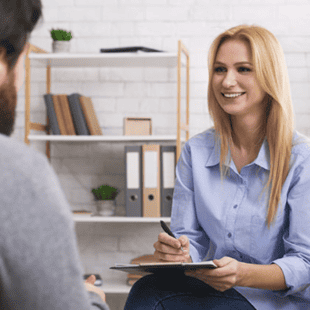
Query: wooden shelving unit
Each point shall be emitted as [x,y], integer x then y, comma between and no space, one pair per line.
[41,58]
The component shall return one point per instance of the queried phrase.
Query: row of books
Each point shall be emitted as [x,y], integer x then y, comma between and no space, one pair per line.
[71,115]
[150,177]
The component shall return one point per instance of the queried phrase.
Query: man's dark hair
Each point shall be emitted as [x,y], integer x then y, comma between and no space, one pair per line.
[17,20]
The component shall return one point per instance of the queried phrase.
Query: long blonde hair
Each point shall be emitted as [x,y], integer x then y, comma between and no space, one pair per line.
[271,71]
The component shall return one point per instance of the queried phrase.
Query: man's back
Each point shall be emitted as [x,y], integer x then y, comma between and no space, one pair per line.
[39,264]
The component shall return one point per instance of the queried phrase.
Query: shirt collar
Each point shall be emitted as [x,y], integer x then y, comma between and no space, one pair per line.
[214,158]
[262,159]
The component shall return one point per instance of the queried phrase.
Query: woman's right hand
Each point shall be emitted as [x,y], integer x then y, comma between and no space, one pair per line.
[169,249]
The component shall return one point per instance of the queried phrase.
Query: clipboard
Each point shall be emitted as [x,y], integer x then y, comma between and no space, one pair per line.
[149,268]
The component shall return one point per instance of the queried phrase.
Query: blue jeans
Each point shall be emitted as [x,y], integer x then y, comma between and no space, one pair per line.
[166,292]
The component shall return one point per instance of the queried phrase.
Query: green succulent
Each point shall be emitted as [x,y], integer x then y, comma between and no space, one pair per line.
[105,192]
[61,35]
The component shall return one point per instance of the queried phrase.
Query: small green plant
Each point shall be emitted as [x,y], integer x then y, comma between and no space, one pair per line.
[105,192]
[61,35]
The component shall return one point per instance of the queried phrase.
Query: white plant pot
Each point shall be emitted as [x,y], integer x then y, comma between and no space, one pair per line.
[61,46]
[104,208]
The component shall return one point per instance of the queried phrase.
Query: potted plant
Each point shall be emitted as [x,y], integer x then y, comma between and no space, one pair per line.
[105,200]
[61,40]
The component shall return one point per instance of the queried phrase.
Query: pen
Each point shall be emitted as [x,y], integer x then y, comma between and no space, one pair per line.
[168,231]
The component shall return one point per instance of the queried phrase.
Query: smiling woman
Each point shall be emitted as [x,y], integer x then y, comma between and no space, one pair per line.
[244,136]
[239,94]
[241,195]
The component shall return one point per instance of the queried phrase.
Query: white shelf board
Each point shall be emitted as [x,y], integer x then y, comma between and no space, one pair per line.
[61,138]
[115,288]
[118,219]
[105,60]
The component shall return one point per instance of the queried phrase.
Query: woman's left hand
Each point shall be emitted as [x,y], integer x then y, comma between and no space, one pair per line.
[226,276]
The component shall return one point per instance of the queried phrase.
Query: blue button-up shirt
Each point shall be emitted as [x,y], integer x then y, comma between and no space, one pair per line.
[227,217]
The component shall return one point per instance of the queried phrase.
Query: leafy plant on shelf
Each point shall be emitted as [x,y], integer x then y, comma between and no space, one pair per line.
[105,192]
[61,35]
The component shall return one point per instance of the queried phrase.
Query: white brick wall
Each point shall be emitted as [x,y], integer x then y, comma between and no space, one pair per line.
[117,93]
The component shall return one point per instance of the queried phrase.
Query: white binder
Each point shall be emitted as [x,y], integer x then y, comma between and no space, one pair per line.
[133,195]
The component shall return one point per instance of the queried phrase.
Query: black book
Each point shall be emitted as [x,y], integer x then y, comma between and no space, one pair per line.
[78,117]
[53,123]
[131,49]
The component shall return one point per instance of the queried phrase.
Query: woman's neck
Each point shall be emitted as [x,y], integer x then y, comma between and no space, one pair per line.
[248,132]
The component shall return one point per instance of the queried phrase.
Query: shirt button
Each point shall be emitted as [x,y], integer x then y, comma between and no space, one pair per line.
[229,235]
[235,206]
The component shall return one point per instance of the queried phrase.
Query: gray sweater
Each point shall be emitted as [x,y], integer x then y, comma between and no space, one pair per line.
[39,260]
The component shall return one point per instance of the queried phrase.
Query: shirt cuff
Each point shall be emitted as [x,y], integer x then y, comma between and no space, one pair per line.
[296,274]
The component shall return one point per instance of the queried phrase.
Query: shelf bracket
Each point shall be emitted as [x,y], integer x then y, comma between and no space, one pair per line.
[28,124]
[182,126]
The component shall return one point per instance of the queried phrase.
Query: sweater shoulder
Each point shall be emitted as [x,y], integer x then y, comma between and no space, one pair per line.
[17,157]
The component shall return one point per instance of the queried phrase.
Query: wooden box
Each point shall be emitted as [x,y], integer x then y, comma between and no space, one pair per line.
[137,126]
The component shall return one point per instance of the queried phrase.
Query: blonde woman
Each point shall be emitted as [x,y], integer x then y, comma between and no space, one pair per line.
[242,192]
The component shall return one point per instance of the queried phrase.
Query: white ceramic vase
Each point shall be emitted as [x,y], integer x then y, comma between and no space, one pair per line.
[61,46]
[104,208]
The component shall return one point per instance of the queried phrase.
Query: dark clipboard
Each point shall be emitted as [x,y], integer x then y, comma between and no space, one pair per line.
[130,49]
[148,268]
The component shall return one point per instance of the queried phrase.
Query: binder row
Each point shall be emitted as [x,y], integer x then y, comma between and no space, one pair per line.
[71,115]
[150,177]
